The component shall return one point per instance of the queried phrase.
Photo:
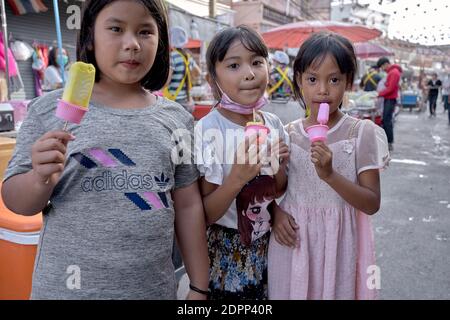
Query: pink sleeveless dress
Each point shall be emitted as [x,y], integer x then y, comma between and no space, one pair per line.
[336,241]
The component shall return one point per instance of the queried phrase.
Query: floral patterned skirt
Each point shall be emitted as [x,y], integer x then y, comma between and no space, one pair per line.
[237,272]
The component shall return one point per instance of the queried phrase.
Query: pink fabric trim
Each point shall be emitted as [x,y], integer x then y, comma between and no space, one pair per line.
[366,257]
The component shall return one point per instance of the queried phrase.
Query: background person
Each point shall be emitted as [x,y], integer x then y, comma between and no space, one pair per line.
[184,68]
[52,76]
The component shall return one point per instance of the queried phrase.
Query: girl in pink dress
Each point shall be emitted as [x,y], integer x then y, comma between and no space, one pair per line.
[322,245]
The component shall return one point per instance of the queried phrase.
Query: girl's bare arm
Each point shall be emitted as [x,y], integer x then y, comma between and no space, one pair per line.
[190,229]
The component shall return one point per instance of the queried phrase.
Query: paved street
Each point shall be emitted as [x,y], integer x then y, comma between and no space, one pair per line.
[412,229]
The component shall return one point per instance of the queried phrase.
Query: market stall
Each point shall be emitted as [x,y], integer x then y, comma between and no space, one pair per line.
[364,105]
[294,34]
[16,49]
[203,100]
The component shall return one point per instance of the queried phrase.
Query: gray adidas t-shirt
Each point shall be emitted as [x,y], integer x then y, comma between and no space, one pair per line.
[108,231]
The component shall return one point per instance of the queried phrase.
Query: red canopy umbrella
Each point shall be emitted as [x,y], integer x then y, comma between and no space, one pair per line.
[292,35]
[371,50]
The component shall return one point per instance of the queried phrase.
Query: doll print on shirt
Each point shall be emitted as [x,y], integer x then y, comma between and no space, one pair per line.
[252,204]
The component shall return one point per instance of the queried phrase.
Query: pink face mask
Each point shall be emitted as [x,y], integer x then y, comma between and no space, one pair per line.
[227,103]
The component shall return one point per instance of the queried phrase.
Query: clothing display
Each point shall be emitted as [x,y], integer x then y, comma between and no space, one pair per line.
[15,80]
[40,63]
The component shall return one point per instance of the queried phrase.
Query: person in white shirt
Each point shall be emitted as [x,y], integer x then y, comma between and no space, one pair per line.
[52,77]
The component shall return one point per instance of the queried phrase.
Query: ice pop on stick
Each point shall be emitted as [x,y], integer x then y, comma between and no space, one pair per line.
[77,93]
[257,127]
[319,132]
[323,114]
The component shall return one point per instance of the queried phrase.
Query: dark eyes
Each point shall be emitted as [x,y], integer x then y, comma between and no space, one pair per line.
[145,32]
[255,63]
[334,80]
[313,80]
[119,29]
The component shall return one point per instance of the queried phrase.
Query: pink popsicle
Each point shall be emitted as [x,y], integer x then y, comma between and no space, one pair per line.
[324,111]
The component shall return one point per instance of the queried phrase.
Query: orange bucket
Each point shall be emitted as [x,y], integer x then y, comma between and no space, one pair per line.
[19,237]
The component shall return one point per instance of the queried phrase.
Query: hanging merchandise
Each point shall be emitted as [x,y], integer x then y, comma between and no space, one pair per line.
[15,80]
[40,63]
[22,51]
[11,64]
[20,7]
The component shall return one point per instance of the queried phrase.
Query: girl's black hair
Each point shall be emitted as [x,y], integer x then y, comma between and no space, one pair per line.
[314,50]
[158,74]
[220,44]
[53,57]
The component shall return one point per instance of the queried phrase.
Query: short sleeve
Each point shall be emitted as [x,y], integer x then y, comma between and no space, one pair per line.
[372,147]
[288,129]
[207,156]
[186,172]
[30,131]
[282,130]
[284,135]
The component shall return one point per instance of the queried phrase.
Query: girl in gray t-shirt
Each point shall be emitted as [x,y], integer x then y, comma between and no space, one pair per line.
[115,189]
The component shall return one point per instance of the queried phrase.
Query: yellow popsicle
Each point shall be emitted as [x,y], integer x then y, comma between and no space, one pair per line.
[78,89]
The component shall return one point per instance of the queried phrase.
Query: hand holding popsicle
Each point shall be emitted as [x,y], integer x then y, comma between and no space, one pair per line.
[247,162]
[71,108]
[322,158]
[319,132]
[48,156]
[77,93]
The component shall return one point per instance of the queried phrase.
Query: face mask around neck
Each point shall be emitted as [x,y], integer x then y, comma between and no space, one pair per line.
[227,103]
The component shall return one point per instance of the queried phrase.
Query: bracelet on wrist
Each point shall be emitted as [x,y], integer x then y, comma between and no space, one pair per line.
[193,288]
